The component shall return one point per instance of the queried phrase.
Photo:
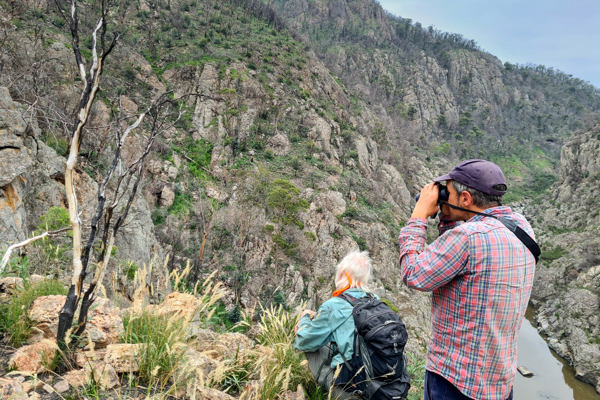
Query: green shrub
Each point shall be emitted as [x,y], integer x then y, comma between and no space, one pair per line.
[199,154]
[549,255]
[59,144]
[13,315]
[284,202]
[55,218]
[443,148]
[279,299]
[353,154]
[310,236]
[18,266]
[412,111]
[542,181]
[351,212]
[416,370]
[159,216]
[390,305]
[268,228]
[360,241]
[222,320]
[288,248]
[182,204]
[131,270]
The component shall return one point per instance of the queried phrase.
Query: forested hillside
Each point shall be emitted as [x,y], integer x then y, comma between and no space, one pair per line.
[443,93]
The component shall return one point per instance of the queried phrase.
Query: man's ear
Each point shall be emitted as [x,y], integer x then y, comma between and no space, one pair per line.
[466,198]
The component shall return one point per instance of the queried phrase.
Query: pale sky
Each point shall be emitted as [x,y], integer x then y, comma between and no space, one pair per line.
[562,34]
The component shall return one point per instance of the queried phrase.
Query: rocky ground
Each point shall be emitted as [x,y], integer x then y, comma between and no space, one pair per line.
[106,366]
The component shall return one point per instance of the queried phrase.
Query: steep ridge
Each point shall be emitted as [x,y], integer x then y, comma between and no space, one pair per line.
[272,174]
[567,285]
[443,93]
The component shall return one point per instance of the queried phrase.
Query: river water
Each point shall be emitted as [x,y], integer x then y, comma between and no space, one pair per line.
[553,378]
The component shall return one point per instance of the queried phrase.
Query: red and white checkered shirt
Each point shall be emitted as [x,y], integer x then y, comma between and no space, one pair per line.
[480,275]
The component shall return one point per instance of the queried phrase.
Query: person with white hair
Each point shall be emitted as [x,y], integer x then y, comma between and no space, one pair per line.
[327,336]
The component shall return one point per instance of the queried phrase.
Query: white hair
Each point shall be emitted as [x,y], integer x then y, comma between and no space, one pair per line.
[357,264]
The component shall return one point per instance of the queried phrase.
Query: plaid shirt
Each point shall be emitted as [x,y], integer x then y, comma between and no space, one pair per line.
[480,276]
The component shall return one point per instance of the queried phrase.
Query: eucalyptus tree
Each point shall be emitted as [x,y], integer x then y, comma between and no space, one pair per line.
[120,183]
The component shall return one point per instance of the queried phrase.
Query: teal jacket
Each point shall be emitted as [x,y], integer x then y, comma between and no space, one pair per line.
[332,323]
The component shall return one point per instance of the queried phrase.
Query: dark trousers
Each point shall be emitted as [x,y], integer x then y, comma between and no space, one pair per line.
[438,388]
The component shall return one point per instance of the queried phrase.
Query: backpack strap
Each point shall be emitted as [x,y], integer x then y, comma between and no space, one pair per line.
[351,299]
[513,227]
[346,361]
[523,237]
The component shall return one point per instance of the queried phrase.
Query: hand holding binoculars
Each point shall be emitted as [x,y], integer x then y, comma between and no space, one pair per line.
[442,196]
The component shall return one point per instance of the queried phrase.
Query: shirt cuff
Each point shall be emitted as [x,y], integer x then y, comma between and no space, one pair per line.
[417,222]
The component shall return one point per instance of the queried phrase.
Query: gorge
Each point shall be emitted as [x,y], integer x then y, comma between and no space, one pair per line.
[307,127]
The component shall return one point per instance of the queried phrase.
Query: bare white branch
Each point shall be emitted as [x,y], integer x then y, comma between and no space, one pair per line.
[80,65]
[12,248]
[132,127]
[95,48]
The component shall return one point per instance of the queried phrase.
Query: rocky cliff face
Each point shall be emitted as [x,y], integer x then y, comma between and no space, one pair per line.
[440,91]
[566,291]
[33,182]
[271,123]
[352,201]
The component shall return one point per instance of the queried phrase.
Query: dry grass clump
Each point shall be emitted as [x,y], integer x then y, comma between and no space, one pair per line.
[170,360]
[163,335]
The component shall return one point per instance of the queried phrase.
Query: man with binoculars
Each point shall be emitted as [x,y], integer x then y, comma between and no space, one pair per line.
[480,273]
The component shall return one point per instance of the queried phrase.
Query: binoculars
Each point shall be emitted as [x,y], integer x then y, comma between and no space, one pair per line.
[442,196]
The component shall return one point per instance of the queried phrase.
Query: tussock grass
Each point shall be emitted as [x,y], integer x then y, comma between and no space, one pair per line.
[231,376]
[163,336]
[282,368]
[416,369]
[162,350]
[269,369]
[13,315]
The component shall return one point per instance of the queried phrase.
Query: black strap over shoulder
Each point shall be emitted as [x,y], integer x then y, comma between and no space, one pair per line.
[351,299]
[519,233]
[523,237]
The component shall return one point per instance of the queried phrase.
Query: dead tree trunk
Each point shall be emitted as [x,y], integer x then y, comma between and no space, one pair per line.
[91,81]
[126,186]
[123,186]
[162,118]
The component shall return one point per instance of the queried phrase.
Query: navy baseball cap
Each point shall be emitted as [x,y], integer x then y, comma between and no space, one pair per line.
[482,175]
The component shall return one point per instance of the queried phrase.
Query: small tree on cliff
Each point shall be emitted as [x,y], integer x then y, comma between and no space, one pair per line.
[123,180]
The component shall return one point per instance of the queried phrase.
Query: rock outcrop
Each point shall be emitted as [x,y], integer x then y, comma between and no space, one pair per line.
[32,181]
[566,290]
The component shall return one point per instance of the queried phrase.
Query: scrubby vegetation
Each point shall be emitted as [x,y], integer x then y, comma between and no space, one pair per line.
[271,366]
[276,164]
[14,321]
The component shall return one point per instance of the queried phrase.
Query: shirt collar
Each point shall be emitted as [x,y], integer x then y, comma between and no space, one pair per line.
[500,211]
